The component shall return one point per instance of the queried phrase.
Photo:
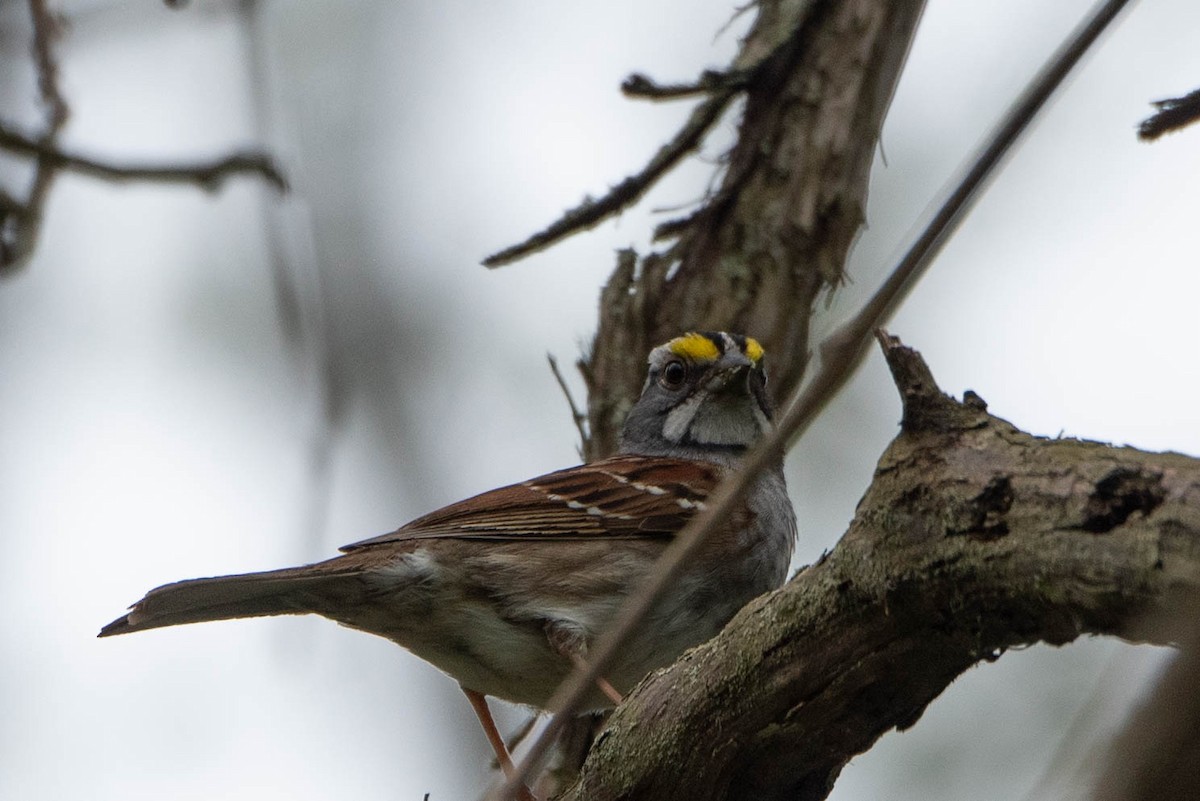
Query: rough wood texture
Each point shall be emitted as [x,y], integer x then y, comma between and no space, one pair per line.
[775,234]
[974,537]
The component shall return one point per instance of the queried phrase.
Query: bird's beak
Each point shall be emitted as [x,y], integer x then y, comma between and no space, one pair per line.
[731,376]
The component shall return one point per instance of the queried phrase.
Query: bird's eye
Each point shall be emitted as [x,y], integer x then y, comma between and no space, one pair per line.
[674,373]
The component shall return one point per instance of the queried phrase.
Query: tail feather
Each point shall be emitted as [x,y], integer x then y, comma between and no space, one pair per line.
[294,591]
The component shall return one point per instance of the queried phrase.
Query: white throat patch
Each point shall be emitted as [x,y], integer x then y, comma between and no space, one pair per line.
[709,420]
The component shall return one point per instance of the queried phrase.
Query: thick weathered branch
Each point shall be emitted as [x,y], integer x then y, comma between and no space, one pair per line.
[775,233]
[974,537]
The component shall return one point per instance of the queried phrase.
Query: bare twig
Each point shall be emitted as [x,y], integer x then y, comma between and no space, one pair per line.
[1173,113]
[208,175]
[46,28]
[577,416]
[592,212]
[738,11]
[21,221]
[638,85]
[840,354]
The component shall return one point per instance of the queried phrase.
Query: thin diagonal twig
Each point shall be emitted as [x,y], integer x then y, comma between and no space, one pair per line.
[721,86]
[579,418]
[840,354]
[592,212]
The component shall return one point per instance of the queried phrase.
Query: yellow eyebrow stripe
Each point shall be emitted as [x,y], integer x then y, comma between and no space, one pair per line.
[754,351]
[695,347]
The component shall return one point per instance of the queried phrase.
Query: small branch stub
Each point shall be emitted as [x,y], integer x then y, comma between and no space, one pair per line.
[1173,113]
[926,407]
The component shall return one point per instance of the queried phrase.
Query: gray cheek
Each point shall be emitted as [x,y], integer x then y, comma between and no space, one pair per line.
[764,422]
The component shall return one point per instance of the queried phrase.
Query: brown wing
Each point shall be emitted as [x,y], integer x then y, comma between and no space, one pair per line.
[623,496]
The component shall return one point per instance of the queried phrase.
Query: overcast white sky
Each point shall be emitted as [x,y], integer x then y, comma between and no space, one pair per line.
[157,423]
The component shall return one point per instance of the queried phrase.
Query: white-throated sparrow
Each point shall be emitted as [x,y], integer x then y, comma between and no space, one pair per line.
[503,591]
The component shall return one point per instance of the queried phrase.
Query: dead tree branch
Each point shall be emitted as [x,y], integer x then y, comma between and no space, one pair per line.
[1173,113]
[973,538]
[776,231]
[641,86]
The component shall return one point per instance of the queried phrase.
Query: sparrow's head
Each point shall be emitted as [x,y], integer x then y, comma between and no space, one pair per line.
[705,397]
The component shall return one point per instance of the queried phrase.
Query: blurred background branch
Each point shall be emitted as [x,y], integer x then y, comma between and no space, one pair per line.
[207,174]
[21,219]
